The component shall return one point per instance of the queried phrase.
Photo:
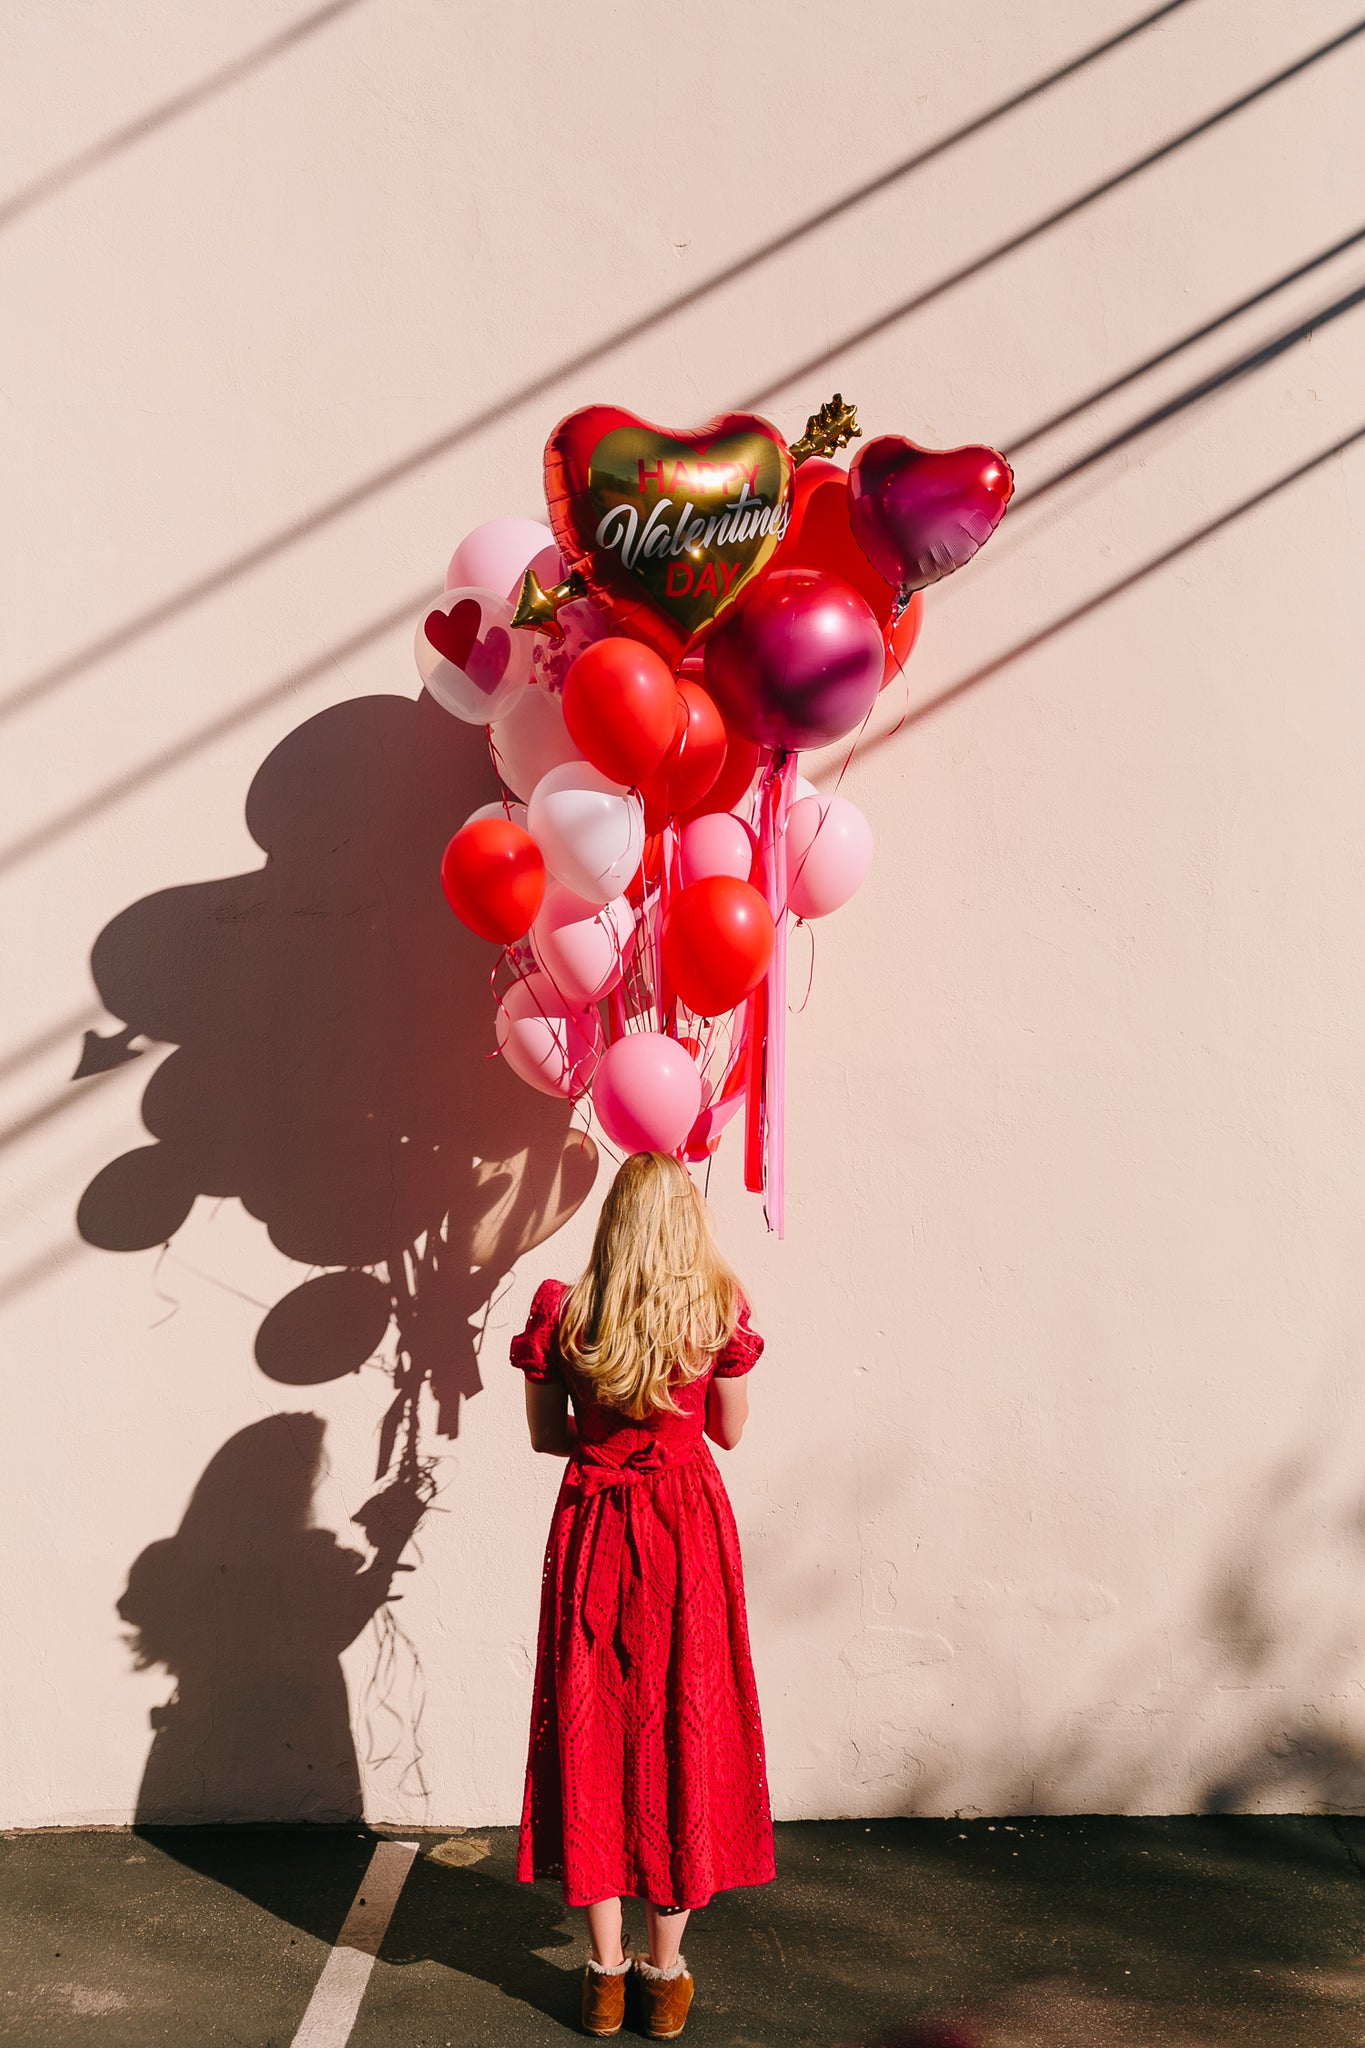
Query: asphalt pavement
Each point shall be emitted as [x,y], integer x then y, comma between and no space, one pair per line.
[1077,1933]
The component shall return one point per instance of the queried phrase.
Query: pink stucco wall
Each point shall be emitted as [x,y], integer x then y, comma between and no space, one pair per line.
[1053,1496]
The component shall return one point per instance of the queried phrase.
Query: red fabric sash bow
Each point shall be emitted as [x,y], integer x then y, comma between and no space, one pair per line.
[592,1470]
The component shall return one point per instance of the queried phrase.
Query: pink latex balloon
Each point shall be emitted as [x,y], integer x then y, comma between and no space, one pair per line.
[647,1092]
[582,946]
[544,1040]
[716,844]
[829,851]
[799,663]
[516,812]
[919,513]
[496,555]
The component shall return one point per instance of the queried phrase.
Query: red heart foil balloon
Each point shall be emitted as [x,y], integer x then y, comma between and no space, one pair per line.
[919,513]
[666,529]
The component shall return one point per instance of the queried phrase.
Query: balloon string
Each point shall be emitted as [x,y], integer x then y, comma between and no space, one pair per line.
[571,1009]
[803,925]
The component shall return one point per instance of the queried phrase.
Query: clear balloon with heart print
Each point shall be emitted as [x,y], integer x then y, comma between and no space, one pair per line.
[700,608]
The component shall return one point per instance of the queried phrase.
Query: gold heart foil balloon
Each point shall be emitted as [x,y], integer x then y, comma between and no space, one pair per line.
[666,529]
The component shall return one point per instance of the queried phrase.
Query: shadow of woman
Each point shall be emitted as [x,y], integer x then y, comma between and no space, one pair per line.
[249,1607]
[332,1030]
[330,1026]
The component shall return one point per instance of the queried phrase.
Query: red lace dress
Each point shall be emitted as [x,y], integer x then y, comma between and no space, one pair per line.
[646,1776]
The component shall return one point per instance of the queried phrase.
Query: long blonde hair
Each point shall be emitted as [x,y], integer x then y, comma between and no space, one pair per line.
[657,1302]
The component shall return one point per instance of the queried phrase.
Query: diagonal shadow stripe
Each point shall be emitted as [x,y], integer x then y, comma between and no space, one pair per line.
[80,813]
[1175,348]
[122,786]
[1259,359]
[918,300]
[50,183]
[405,466]
[1126,583]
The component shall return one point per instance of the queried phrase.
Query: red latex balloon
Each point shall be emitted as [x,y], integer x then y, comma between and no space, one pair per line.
[666,528]
[718,939]
[919,513]
[494,878]
[735,780]
[691,765]
[648,871]
[821,537]
[621,707]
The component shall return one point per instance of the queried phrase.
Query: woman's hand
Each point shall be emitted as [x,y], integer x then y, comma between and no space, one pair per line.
[553,1429]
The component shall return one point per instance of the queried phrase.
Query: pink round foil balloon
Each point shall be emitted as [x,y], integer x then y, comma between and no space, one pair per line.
[496,555]
[829,851]
[544,1040]
[799,664]
[582,946]
[919,513]
[717,843]
[647,1092]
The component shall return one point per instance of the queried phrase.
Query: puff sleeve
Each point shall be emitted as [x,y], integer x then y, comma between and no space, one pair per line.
[534,1351]
[743,1351]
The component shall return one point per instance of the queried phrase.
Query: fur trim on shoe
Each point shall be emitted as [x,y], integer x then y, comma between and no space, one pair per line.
[610,1969]
[654,1976]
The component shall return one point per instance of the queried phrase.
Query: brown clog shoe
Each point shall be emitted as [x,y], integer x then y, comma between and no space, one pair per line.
[604,1998]
[664,1999]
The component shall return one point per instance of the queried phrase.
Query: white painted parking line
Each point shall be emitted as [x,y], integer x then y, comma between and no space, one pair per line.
[336,1999]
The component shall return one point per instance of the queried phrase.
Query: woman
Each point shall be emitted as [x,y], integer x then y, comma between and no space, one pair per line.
[646,1775]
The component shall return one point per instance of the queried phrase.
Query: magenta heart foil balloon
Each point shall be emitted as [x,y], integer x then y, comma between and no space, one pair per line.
[919,513]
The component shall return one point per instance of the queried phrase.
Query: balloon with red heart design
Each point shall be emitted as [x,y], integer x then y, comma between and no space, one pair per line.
[469,658]
[919,513]
[820,536]
[666,529]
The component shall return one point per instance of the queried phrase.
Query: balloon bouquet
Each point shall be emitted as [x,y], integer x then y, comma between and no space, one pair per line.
[702,606]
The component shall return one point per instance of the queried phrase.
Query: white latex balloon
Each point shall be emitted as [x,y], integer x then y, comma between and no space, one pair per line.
[469,656]
[516,812]
[590,830]
[545,1041]
[532,739]
[582,946]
